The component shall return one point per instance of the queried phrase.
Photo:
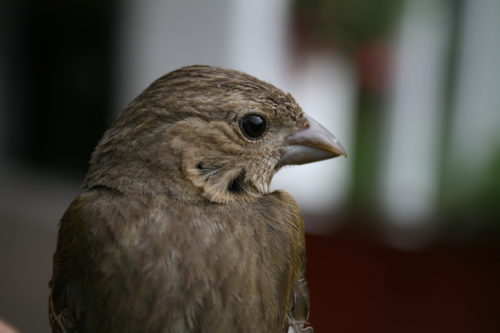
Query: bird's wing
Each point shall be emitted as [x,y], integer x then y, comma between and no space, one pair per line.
[66,304]
[298,312]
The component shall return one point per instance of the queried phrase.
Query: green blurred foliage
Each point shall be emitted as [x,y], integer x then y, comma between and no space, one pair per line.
[348,23]
[354,27]
[468,201]
[473,196]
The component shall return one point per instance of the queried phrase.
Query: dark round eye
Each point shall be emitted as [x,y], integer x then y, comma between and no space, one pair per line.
[253,126]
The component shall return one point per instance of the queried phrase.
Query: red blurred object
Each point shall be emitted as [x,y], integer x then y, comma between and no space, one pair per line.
[360,286]
[373,63]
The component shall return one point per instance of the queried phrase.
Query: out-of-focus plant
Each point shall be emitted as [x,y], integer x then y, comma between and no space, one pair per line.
[361,30]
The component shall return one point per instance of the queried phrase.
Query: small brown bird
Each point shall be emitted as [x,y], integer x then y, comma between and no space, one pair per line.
[177,230]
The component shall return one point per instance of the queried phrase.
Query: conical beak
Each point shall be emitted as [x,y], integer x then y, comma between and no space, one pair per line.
[310,144]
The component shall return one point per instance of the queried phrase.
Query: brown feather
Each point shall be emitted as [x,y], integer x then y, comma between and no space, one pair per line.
[177,230]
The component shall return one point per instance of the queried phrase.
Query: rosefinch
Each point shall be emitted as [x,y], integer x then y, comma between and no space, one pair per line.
[177,230]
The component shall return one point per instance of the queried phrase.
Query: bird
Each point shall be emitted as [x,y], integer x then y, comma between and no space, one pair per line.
[176,229]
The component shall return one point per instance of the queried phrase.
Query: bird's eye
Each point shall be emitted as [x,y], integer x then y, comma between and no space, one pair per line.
[253,126]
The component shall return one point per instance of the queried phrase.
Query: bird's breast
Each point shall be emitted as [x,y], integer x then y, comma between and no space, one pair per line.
[220,265]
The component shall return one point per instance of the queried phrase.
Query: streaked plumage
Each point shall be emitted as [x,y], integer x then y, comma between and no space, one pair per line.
[177,230]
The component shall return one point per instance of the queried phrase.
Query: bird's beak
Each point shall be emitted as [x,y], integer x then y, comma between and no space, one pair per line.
[310,144]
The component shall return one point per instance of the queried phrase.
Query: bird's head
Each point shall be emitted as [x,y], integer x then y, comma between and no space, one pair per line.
[207,133]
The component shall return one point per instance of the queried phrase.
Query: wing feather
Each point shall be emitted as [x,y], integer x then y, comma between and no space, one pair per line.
[66,303]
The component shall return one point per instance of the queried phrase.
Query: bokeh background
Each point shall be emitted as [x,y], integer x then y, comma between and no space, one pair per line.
[403,235]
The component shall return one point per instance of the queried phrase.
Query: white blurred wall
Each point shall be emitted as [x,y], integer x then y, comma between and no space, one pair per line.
[408,183]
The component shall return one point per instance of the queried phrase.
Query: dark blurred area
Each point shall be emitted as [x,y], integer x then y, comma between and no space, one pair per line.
[57,67]
[360,285]
[403,236]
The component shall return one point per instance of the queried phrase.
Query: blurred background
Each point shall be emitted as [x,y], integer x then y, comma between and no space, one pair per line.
[403,235]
